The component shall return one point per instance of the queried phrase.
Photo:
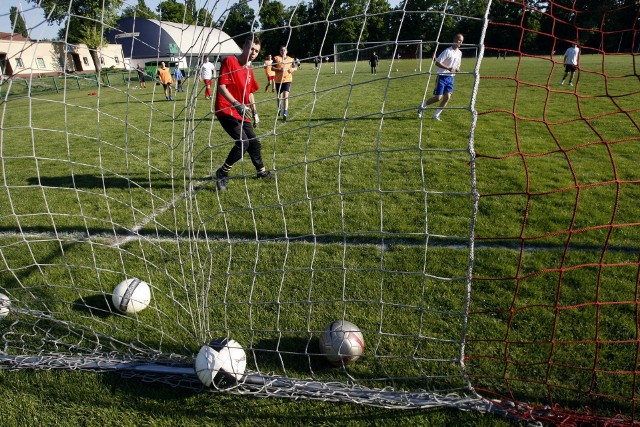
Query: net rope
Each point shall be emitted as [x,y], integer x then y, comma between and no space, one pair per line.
[509,299]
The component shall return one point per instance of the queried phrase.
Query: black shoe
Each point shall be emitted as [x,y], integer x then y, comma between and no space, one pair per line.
[221,180]
[264,175]
[284,118]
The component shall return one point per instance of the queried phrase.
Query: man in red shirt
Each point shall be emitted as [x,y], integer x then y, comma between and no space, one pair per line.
[234,107]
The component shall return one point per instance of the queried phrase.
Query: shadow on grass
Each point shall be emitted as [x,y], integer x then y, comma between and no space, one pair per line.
[96,305]
[95,181]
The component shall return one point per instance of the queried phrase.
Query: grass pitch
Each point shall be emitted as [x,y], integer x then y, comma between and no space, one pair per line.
[340,230]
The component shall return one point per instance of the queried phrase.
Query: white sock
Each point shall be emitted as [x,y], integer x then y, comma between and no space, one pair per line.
[438,112]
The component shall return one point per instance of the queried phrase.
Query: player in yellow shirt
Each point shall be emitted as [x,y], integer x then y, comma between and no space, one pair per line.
[284,66]
[271,75]
[164,74]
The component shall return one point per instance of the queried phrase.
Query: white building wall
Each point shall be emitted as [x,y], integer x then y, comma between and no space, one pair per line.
[27,58]
[111,56]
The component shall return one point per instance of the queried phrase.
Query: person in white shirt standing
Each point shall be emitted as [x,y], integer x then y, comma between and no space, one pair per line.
[570,63]
[207,74]
[448,64]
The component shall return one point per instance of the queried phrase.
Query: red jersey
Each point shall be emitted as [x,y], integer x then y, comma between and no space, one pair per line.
[240,82]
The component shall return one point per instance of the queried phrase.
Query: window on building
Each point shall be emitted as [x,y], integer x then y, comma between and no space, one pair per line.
[85,60]
[116,59]
[40,62]
[19,63]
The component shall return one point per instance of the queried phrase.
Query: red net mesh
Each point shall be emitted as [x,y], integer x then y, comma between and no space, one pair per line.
[561,316]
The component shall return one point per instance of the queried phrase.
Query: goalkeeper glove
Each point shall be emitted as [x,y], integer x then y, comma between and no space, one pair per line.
[241,109]
[256,119]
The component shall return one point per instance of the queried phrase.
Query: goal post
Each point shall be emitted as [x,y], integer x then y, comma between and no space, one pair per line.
[386,50]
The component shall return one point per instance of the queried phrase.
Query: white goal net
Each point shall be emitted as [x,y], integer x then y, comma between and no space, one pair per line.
[369,217]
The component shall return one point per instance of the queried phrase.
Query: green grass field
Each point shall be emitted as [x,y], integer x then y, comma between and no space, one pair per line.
[369,216]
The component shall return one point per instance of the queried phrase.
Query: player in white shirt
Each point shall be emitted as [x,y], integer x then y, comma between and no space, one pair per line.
[570,63]
[207,74]
[448,64]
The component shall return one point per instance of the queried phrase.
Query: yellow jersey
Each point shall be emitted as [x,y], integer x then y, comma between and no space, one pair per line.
[268,70]
[165,75]
[284,68]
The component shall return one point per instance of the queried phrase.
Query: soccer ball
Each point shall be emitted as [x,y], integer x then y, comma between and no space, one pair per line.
[5,303]
[342,342]
[223,356]
[131,296]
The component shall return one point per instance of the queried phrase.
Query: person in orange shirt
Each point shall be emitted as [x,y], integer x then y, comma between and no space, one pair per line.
[284,66]
[164,74]
[271,75]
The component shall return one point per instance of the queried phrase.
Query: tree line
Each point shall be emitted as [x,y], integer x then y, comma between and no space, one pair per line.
[311,28]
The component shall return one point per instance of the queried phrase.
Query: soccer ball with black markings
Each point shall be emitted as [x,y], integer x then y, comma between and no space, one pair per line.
[5,305]
[342,342]
[131,296]
[220,359]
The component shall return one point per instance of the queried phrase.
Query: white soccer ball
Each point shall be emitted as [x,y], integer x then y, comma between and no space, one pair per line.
[221,356]
[5,304]
[131,295]
[342,342]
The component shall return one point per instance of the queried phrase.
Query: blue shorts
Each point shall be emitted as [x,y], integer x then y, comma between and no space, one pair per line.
[443,85]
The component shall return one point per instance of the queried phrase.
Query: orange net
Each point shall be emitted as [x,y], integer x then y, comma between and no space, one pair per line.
[556,152]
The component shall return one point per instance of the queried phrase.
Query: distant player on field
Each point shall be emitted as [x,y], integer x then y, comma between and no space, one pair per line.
[373,61]
[141,76]
[271,75]
[179,77]
[448,64]
[284,66]
[570,63]
[233,107]
[164,75]
[207,74]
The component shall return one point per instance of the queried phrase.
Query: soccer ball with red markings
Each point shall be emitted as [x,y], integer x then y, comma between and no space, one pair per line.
[342,342]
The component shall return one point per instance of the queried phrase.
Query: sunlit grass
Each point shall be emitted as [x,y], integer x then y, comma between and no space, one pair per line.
[370,213]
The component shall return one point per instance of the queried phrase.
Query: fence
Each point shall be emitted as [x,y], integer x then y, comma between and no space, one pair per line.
[15,87]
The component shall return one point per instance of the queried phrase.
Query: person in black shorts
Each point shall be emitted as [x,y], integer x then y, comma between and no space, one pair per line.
[141,78]
[373,61]
[570,63]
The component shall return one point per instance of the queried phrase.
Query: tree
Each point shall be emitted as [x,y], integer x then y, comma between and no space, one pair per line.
[17,22]
[140,11]
[86,21]
[421,22]
[191,9]
[272,19]
[239,22]
[348,20]
[205,18]
[296,35]
[322,32]
[470,28]
[377,25]
[172,11]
